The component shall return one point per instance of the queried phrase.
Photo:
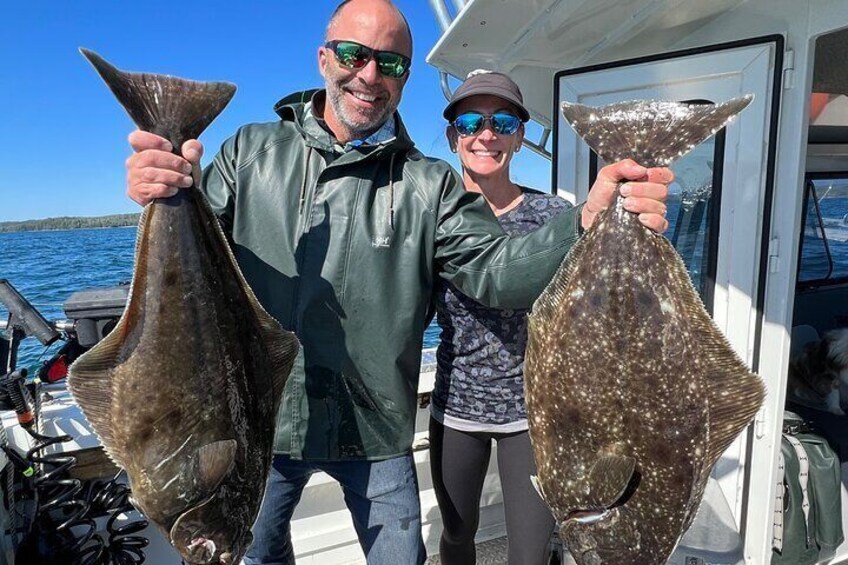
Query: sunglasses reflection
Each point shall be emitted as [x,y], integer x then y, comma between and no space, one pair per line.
[353,55]
[470,123]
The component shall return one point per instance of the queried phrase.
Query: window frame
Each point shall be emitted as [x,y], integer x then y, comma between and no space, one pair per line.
[809,186]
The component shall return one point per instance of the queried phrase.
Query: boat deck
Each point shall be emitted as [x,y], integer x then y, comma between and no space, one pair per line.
[494,552]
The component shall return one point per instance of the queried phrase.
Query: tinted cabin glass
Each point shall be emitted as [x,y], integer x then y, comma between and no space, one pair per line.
[824,241]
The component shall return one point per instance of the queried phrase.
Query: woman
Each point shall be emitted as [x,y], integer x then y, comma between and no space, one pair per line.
[479,391]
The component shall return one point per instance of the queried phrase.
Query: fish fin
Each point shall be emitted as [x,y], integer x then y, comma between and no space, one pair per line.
[90,376]
[653,133]
[214,461]
[90,384]
[174,108]
[547,304]
[609,477]
[735,393]
[283,347]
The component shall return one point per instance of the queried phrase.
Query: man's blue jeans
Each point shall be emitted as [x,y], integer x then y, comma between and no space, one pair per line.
[382,497]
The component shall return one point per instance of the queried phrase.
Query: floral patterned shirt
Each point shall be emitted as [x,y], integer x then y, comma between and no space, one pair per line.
[479,377]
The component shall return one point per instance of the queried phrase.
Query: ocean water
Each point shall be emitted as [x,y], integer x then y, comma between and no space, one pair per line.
[48,266]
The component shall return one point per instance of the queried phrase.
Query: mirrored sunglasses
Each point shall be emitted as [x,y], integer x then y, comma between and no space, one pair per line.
[470,123]
[352,55]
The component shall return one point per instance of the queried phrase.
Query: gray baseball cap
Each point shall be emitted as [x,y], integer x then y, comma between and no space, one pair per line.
[487,82]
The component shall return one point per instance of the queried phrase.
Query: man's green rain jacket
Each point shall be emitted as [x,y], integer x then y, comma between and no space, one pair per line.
[343,249]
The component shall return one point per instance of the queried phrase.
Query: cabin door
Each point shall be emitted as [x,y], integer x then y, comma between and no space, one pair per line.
[718,211]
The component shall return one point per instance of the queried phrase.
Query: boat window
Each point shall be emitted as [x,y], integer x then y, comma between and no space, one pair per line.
[824,238]
[693,203]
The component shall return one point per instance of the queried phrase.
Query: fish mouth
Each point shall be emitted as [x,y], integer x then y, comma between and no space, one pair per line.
[202,550]
[602,537]
[589,516]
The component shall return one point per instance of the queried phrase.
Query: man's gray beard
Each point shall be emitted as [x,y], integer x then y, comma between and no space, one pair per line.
[335,96]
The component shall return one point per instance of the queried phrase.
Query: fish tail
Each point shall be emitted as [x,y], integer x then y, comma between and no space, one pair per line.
[653,133]
[171,107]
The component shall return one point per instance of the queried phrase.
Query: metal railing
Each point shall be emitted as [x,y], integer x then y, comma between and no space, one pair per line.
[445,19]
[539,146]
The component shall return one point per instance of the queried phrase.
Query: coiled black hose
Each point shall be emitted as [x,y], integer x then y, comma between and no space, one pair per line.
[63,530]
[121,547]
[61,526]
[56,490]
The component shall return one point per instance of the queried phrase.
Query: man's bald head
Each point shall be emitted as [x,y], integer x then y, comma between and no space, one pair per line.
[360,99]
[345,10]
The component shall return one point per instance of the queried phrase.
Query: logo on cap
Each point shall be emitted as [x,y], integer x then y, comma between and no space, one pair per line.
[476,72]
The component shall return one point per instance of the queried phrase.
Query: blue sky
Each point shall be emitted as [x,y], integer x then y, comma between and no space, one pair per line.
[63,135]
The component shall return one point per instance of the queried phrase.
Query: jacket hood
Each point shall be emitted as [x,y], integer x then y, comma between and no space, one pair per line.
[291,108]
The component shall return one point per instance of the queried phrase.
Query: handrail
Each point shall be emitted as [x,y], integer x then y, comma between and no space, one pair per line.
[442,14]
[443,81]
[539,147]
[444,18]
[820,225]
[459,5]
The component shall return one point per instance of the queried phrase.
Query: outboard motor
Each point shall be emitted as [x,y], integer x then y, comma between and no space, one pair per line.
[95,312]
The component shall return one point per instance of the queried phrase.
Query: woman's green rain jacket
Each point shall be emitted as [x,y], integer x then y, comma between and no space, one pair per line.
[343,249]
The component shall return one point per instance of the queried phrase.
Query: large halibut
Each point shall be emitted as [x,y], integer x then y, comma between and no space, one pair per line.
[184,392]
[632,391]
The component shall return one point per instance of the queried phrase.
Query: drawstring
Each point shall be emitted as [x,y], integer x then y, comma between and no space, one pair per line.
[305,177]
[392,191]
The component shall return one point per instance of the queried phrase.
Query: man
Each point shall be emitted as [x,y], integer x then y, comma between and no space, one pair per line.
[341,226]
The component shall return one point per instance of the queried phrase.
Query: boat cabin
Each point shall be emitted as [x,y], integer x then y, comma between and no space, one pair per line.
[759,213]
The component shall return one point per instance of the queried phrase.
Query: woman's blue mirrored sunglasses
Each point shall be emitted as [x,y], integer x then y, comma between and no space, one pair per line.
[470,123]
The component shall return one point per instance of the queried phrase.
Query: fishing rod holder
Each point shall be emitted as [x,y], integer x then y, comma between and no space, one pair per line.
[24,321]
[58,325]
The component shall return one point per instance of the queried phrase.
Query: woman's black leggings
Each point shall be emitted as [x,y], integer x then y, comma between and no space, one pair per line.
[458,461]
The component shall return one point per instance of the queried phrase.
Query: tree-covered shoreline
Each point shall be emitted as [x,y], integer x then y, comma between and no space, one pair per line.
[71,223]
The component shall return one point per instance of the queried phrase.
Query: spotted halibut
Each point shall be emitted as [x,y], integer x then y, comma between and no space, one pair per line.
[632,391]
[183,393]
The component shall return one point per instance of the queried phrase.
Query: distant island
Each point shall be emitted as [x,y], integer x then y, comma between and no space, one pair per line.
[71,223]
